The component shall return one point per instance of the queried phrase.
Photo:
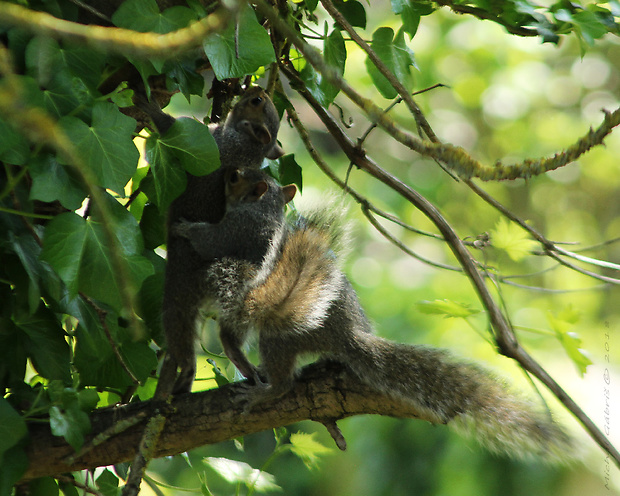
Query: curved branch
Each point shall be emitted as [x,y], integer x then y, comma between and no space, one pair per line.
[323,391]
[124,41]
[487,16]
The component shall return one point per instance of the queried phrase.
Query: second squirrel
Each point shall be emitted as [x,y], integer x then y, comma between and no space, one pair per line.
[244,139]
[299,302]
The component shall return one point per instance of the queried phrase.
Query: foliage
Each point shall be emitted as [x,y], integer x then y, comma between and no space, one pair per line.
[82,216]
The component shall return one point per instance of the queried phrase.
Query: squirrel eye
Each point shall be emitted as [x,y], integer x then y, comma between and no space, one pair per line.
[234,177]
[256,101]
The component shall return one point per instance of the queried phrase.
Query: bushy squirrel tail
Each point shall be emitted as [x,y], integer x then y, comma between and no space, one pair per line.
[304,279]
[462,395]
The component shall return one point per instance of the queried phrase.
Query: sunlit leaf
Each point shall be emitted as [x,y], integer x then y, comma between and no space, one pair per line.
[237,52]
[106,146]
[397,57]
[512,239]
[240,472]
[306,447]
[447,308]
[570,341]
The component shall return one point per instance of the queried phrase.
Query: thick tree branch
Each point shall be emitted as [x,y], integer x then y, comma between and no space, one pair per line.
[324,392]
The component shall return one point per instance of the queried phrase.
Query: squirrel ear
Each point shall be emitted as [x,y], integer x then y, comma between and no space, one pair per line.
[289,192]
[260,188]
[275,152]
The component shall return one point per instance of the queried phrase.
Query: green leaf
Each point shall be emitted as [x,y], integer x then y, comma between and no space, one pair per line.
[13,464]
[188,145]
[44,486]
[239,472]
[353,11]
[290,171]
[46,344]
[153,224]
[570,341]
[79,252]
[447,308]
[52,181]
[167,180]
[107,483]
[99,366]
[12,427]
[193,145]
[253,50]
[106,146]
[398,58]
[28,250]
[14,148]
[144,16]
[512,239]
[335,55]
[306,447]
[590,26]
[71,424]
[410,13]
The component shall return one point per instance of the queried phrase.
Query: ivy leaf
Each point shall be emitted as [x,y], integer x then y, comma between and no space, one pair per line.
[410,13]
[306,447]
[254,48]
[144,16]
[512,239]
[107,483]
[12,426]
[52,181]
[193,145]
[14,148]
[167,180]
[353,11]
[13,464]
[239,472]
[570,341]
[106,146]
[71,424]
[79,252]
[447,308]
[46,344]
[95,359]
[398,58]
[335,55]
[290,171]
[590,26]
[188,145]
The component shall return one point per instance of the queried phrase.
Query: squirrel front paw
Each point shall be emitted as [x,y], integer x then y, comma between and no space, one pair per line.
[181,228]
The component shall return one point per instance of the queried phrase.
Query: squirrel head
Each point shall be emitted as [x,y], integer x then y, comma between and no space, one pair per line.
[256,116]
[249,185]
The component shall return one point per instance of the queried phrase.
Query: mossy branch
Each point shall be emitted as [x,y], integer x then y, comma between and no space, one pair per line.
[110,39]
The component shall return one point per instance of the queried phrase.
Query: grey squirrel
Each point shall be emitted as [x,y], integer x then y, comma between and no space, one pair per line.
[298,300]
[244,139]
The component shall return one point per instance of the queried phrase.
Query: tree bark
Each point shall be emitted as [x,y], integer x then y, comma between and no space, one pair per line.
[324,392]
